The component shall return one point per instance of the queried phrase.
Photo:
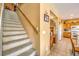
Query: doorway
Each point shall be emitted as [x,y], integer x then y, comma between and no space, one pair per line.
[10,6]
[52,33]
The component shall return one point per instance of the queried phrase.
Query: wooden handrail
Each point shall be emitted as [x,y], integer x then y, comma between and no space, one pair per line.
[73,47]
[27,19]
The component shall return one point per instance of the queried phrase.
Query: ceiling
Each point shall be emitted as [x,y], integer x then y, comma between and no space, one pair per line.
[67,10]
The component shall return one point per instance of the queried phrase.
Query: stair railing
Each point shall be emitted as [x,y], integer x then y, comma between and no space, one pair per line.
[27,19]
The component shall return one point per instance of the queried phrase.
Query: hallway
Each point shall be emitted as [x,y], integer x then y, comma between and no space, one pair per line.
[62,48]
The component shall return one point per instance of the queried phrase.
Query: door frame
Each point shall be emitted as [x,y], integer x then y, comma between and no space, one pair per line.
[54,37]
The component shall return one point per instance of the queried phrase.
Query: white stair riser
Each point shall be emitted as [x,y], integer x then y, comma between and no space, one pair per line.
[11,21]
[12,45]
[13,33]
[11,28]
[12,25]
[11,38]
[20,51]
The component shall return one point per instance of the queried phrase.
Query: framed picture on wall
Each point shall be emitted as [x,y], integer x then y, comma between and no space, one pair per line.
[46,18]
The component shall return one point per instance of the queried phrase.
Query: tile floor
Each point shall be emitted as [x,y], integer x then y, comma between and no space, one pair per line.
[62,48]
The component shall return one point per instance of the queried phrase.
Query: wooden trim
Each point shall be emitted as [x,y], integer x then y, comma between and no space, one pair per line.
[27,19]
[73,47]
[53,14]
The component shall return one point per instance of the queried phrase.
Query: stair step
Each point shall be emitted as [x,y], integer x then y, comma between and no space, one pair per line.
[11,38]
[10,19]
[10,33]
[18,30]
[8,11]
[15,41]
[11,28]
[18,49]
[10,14]
[13,45]
[12,22]
[12,25]
[7,15]
[29,52]
[14,35]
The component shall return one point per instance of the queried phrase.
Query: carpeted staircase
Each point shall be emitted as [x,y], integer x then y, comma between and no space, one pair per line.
[15,40]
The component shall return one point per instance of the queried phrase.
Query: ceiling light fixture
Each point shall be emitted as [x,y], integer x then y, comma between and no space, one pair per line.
[71,16]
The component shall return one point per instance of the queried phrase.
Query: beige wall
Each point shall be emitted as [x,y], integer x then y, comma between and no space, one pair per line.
[44,30]
[32,11]
[45,27]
